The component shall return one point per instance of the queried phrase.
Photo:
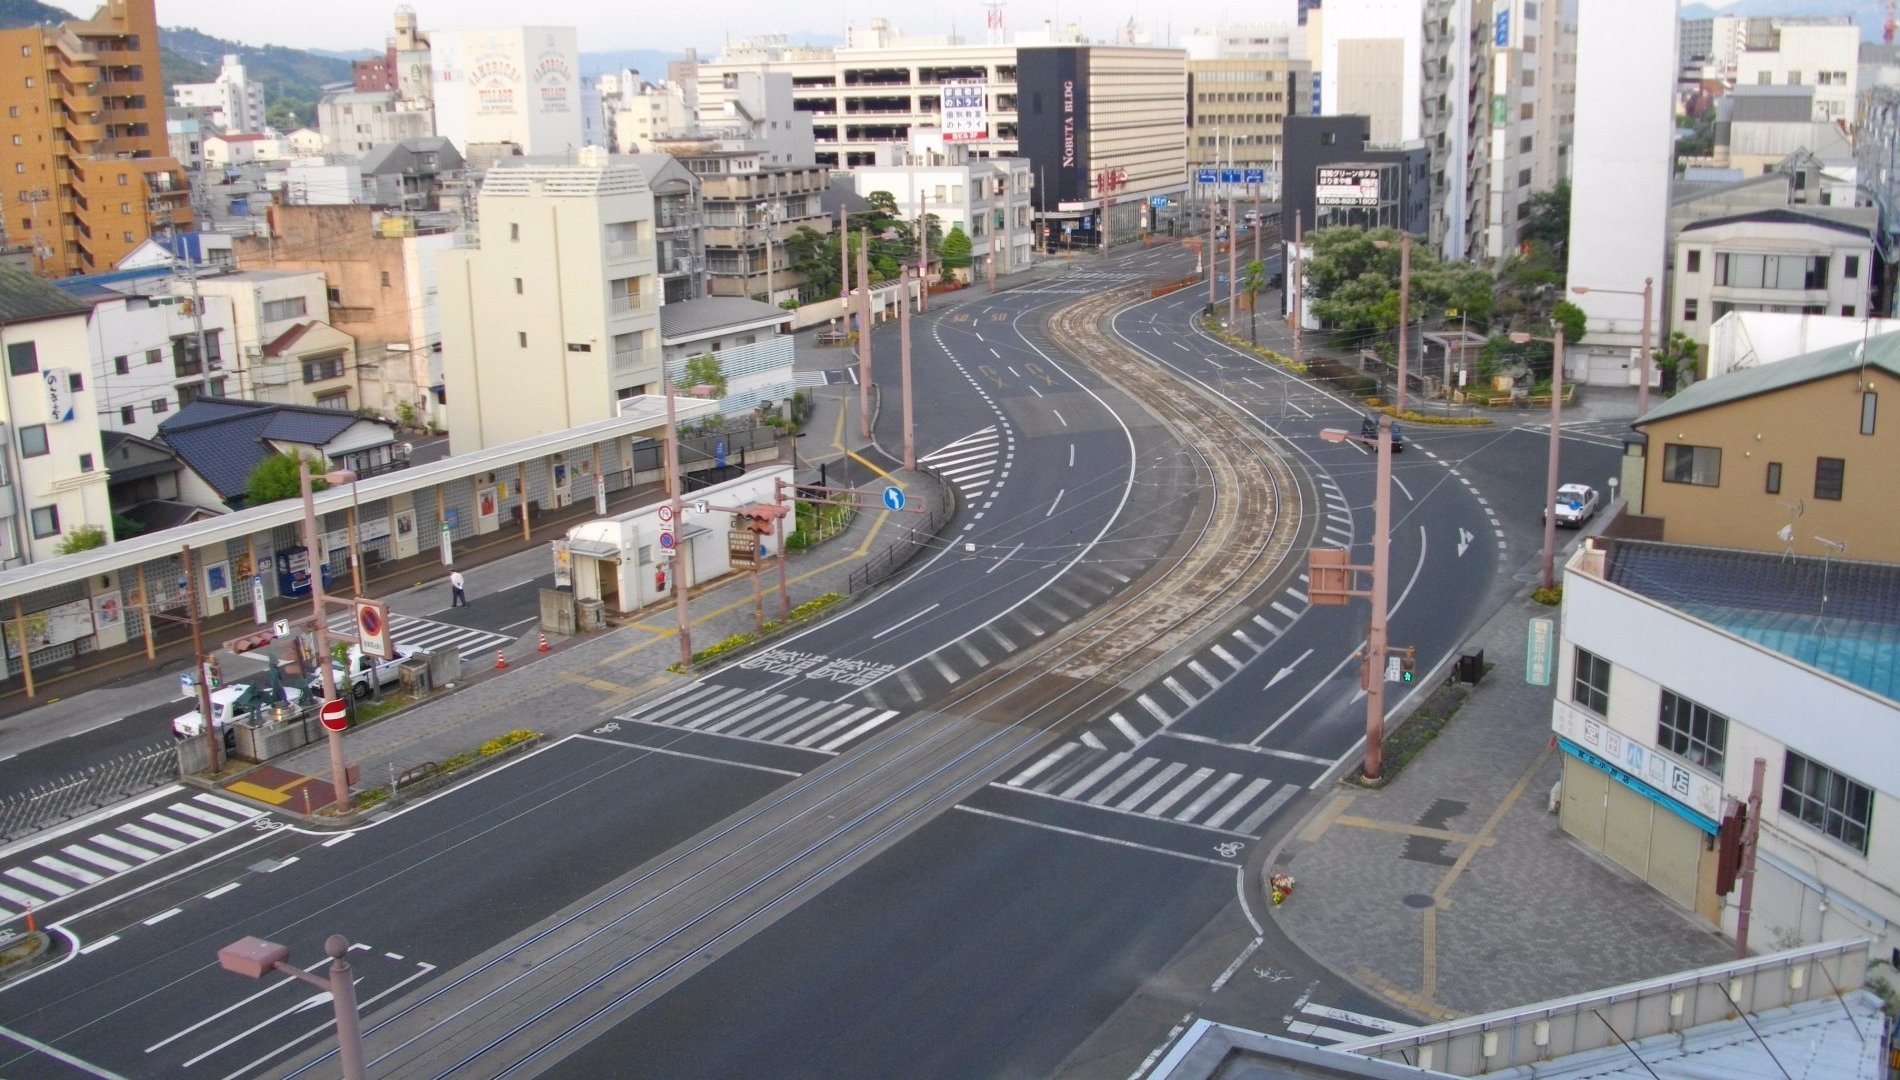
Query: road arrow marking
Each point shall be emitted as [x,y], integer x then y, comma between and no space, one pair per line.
[1287,670]
[1464,541]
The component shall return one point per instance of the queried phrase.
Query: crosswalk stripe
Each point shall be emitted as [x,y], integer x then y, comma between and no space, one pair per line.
[1179,792]
[1200,669]
[17,898]
[771,730]
[1267,626]
[150,837]
[1233,805]
[740,714]
[1146,791]
[971,651]
[948,673]
[1259,817]
[1007,645]
[1241,636]
[96,859]
[61,866]
[1376,1023]
[1284,610]
[1095,775]
[124,848]
[1226,657]
[1206,798]
[237,810]
[1180,691]
[1093,741]
[752,719]
[878,718]
[38,881]
[1115,786]
[1042,766]
[183,827]
[824,725]
[1154,710]
[204,815]
[1121,724]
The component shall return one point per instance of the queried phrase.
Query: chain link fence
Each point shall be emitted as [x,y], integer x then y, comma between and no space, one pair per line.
[45,805]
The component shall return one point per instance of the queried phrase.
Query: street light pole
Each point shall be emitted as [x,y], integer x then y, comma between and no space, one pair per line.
[903,336]
[339,770]
[1556,420]
[253,957]
[1375,629]
[1648,293]
[1405,300]
[679,523]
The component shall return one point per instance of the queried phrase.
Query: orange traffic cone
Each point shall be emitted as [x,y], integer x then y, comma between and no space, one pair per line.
[543,647]
[501,661]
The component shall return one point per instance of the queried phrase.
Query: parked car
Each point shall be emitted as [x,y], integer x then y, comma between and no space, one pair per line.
[1576,504]
[367,674]
[229,704]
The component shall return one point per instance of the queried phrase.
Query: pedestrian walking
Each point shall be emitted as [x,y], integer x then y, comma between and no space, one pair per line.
[458,597]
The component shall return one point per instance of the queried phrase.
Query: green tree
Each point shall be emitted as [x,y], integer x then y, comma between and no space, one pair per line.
[124,528]
[82,538]
[955,250]
[814,256]
[705,371]
[1572,319]
[1547,224]
[276,478]
[1353,278]
[1679,359]
[1253,278]
[882,203]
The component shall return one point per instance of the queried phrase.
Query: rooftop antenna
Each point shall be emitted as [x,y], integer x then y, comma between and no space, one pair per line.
[1785,534]
[1834,548]
[993,18]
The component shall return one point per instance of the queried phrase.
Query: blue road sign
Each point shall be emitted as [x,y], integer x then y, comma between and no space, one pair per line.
[666,541]
[893,498]
[1230,176]
[1205,176]
[1256,176]
[1501,36]
[1157,201]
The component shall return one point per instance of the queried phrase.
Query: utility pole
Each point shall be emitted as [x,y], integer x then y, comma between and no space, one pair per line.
[1259,223]
[903,335]
[1233,246]
[1375,630]
[1405,299]
[864,336]
[1213,211]
[923,254]
[844,263]
[1750,834]
[214,739]
[678,522]
[1294,274]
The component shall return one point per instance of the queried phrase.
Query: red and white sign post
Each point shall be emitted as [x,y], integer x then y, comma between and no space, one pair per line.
[335,714]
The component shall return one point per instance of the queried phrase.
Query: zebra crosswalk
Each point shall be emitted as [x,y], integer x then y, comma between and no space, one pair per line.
[1326,1025]
[47,872]
[428,635]
[1154,787]
[971,462]
[762,716]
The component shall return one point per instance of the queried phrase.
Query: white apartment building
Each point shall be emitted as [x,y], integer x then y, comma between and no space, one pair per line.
[1797,260]
[285,350]
[145,358]
[235,103]
[1823,53]
[987,198]
[1677,669]
[755,112]
[639,112]
[1621,168]
[353,121]
[53,473]
[1748,339]
[554,318]
[1533,106]
[1421,70]
[1243,82]
[517,85]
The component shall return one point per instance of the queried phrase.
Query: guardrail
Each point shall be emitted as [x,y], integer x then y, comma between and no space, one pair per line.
[101,785]
[891,559]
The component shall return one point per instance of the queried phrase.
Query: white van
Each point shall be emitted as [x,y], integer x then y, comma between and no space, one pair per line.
[230,704]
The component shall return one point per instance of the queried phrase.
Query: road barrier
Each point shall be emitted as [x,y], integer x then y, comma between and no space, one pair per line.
[891,559]
[101,785]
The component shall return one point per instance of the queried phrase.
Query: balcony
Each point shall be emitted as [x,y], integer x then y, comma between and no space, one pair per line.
[674,222]
[623,306]
[626,250]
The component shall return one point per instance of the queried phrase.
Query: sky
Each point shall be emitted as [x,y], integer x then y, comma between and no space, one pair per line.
[631,24]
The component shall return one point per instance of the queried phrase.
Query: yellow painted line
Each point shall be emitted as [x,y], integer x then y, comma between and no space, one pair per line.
[837,436]
[254,791]
[873,468]
[1412,830]
[1318,826]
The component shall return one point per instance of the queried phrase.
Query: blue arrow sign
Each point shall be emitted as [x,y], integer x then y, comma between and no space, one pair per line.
[893,498]
[1256,176]
[1230,176]
[1205,176]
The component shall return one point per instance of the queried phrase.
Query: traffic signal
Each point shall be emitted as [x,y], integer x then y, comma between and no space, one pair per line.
[1408,664]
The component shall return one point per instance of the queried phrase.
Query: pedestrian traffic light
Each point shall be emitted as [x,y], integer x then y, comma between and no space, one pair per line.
[1408,664]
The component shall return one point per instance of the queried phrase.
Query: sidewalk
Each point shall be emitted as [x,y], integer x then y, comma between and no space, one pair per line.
[1453,890]
[583,681]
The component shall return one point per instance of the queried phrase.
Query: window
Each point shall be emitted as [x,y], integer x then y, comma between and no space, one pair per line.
[1692,465]
[517,286]
[320,368]
[1527,111]
[335,296]
[1689,309]
[19,166]
[121,365]
[288,308]
[1774,478]
[1524,178]
[46,523]
[33,440]
[128,414]
[514,230]
[76,382]
[1850,267]
[1847,311]
[1692,732]
[521,338]
[1525,144]
[1791,272]
[1817,795]
[23,358]
[1869,404]
[1830,473]
[385,279]
[1590,687]
[153,356]
[337,399]
[85,463]
[1694,261]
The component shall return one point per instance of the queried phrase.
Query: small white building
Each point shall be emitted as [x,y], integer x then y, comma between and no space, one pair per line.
[230,151]
[1677,669]
[1745,339]
[1823,53]
[744,335]
[618,560]
[1813,260]
[353,121]
[317,182]
[286,351]
[145,360]
[236,103]
[988,199]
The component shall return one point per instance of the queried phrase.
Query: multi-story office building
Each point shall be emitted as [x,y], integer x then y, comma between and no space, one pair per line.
[639,112]
[1823,53]
[354,121]
[750,209]
[1101,125]
[52,472]
[1421,69]
[1533,105]
[234,102]
[1622,165]
[554,318]
[83,146]
[1243,82]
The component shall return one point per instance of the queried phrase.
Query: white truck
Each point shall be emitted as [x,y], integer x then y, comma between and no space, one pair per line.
[366,674]
[230,704]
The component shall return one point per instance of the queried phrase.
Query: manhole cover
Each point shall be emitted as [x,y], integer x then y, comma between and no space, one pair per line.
[1418,900]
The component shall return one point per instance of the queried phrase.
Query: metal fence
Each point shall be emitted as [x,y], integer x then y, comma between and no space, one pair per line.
[36,808]
[892,559]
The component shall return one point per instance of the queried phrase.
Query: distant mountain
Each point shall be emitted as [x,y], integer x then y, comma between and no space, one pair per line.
[17,13]
[650,63]
[1870,17]
[353,54]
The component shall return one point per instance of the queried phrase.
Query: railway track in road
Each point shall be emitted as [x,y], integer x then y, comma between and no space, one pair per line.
[521,1006]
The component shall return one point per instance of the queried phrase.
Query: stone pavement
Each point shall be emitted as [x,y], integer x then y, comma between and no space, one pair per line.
[1453,890]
